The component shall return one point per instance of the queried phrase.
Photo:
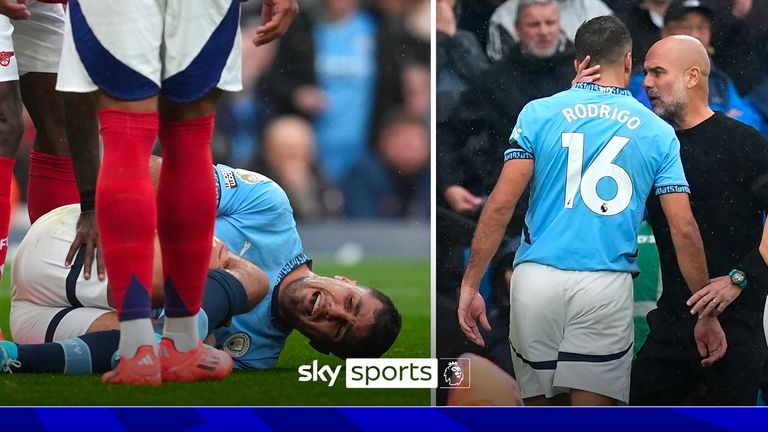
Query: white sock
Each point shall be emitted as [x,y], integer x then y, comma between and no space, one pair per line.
[135,333]
[182,331]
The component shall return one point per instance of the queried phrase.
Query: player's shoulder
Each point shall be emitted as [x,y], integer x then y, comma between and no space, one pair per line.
[738,128]
[234,178]
[250,186]
[545,105]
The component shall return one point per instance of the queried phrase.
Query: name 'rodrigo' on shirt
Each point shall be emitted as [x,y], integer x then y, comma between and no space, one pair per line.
[581,111]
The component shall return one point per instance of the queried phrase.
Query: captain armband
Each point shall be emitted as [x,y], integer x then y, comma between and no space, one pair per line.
[516,152]
[662,190]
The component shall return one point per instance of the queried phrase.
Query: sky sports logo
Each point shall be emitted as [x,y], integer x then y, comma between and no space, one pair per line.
[392,373]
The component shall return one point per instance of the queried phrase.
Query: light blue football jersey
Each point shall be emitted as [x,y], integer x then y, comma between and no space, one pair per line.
[255,220]
[598,153]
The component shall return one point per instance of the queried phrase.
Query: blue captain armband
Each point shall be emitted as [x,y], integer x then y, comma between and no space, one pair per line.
[517,153]
[661,190]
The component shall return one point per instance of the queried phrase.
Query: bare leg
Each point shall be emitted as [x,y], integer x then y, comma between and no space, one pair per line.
[586,398]
[561,399]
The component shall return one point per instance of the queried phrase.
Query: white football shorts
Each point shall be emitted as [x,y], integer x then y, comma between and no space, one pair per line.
[51,301]
[180,48]
[571,330]
[32,45]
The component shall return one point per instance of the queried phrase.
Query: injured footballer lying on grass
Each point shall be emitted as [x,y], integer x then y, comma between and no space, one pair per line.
[63,322]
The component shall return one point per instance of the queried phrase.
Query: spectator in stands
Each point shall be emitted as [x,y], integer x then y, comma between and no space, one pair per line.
[289,157]
[644,19]
[416,90]
[470,141]
[347,76]
[504,25]
[395,181]
[409,21]
[460,59]
[237,129]
[475,15]
[741,37]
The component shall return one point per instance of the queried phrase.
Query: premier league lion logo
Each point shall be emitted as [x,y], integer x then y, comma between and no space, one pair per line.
[453,374]
[249,177]
[5,58]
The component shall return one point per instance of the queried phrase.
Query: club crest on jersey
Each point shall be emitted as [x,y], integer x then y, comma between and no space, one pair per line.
[237,344]
[249,177]
[5,58]
[229,179]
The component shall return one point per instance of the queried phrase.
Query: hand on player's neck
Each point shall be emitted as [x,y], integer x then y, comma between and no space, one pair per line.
[612,77]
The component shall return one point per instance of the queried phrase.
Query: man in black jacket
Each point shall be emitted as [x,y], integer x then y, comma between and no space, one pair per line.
[725,162]
[478,129]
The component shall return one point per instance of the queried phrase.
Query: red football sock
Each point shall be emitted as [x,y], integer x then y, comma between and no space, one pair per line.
[6,174]
[126,212]
[51,183]
[186,203]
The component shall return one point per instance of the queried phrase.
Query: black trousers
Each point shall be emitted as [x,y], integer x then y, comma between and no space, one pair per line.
[668,371]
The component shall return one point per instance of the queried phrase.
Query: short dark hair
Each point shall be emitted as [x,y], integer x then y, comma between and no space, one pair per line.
[381,335]
[605,39]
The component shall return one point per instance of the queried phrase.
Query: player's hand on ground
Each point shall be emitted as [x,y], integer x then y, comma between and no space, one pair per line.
[87,235]
[276,16]
[715,297]
[15,9]
[471,311]
[586,74]
[461,200]
[710,340]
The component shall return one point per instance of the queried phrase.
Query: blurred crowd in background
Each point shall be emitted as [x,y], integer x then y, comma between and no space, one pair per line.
[336,111]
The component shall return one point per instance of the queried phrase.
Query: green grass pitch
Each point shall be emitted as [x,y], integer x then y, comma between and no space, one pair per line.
[406,282]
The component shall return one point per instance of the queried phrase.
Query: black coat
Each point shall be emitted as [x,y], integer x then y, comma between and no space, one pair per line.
[471,144]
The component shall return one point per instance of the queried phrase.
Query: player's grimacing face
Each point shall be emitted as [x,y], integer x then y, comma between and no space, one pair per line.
[331,311]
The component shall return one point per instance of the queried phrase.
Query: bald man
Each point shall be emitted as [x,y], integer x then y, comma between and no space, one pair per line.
[724,161]
[289,156]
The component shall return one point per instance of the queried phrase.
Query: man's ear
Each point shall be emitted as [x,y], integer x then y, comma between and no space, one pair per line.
[692,77]
[628,62]
[345,279]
